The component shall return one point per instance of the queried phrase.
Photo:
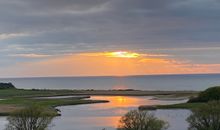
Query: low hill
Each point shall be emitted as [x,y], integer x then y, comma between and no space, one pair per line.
[7,86]
[210,94]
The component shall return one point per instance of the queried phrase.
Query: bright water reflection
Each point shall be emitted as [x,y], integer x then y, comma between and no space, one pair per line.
[106,115]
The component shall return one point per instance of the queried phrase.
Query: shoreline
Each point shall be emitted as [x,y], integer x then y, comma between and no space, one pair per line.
[133,93]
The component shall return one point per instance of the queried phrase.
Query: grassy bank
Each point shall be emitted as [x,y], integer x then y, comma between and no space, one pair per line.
[208,95]
[135,93]
[173,106]
[28,93]
[11,104]
[6,93]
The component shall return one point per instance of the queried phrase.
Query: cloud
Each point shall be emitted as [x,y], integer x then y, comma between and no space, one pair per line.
[99,65]
[4,36]
[139,22]
[122,54]
[46,7]
[60,27]
[31,55]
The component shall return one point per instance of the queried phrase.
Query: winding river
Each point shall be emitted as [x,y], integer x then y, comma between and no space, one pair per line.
[107,115]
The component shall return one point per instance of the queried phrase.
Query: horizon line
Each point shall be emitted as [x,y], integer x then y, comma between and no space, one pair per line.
[26,77]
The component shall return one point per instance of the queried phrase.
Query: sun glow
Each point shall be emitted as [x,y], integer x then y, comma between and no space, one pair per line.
[122,54]
[121,99]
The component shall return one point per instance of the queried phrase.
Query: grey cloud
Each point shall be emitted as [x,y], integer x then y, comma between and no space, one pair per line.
[49,6]
[53,27]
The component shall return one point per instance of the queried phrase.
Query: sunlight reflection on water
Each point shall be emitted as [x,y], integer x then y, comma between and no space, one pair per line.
[107,115]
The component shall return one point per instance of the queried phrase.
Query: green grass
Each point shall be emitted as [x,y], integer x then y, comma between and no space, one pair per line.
[180,106]
[210,94]
[48,103]
[5,93]
[173,106]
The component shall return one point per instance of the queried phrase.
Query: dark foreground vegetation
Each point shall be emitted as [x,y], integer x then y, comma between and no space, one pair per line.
[205,117]
[30,118]
[141,120]
[210,94]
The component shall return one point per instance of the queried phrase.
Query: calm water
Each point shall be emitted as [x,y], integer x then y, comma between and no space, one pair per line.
[107,115]
[157,82]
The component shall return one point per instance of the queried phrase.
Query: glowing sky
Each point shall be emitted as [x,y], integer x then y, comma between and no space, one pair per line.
[108,37]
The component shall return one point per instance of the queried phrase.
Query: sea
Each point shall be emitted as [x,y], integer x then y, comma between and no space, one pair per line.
[195,82]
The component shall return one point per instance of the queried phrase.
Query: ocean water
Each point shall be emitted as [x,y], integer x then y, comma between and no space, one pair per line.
[149,82]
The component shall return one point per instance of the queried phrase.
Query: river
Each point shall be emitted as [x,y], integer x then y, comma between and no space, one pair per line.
[107,115]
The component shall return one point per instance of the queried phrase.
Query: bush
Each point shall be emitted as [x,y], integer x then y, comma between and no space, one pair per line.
[206,117]
[30,118]
[141,120]
[210,94]
[7,86]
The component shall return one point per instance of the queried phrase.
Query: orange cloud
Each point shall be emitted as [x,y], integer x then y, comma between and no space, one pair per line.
[98,64]
[116,54]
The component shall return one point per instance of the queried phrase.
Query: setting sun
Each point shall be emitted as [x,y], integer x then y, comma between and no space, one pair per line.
[121,99]
[123,54]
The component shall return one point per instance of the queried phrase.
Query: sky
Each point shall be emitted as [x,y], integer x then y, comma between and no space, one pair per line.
[108,37]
